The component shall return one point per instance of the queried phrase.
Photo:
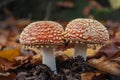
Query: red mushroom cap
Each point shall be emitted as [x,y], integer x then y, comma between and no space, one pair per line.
[86,30]
[42,33]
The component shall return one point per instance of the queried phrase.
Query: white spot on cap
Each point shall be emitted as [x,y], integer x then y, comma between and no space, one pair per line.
[86,30]
[42,32]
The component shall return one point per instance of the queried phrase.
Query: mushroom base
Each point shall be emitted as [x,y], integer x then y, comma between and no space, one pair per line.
[80,50]
[48,58]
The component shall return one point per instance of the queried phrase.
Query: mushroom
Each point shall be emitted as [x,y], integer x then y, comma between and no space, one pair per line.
[44,35]
[83,32]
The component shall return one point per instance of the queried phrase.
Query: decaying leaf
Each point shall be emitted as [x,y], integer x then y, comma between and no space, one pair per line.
[110,49]
[9,77]
[117,37]
[116,60]
[92,52]
[3,39]
[24,60]
[9,54]
[36,59]
[69,52]
[105,64]
[4,65]
[92,76]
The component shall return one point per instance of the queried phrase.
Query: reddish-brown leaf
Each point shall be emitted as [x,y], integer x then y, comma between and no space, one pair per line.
[105,64]
[110,49]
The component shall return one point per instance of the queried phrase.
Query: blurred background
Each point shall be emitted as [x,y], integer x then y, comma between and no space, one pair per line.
[16,14]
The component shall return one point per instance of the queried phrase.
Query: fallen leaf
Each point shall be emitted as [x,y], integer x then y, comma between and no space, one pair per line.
[106,65]
[3,39]
[9,77]
[87,76]
[92,76]
[110,49]
[117,37]
[4,64]
[116,59]
[21,61]
[69,52]
[112,27]
[10,54]
[91,52]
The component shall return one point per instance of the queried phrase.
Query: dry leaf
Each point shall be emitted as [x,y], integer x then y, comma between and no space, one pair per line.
[4,65]
[87,76]
[116,60]
[117,37]
[92,76]
[23,60]
[9,77]
[91,52]
[36,58]
[106,65]
[3,39]
[69,52]
[110,49]
[10,54]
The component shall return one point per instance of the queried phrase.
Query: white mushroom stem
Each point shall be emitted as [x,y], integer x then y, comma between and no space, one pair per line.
[80,50]
[48,58]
